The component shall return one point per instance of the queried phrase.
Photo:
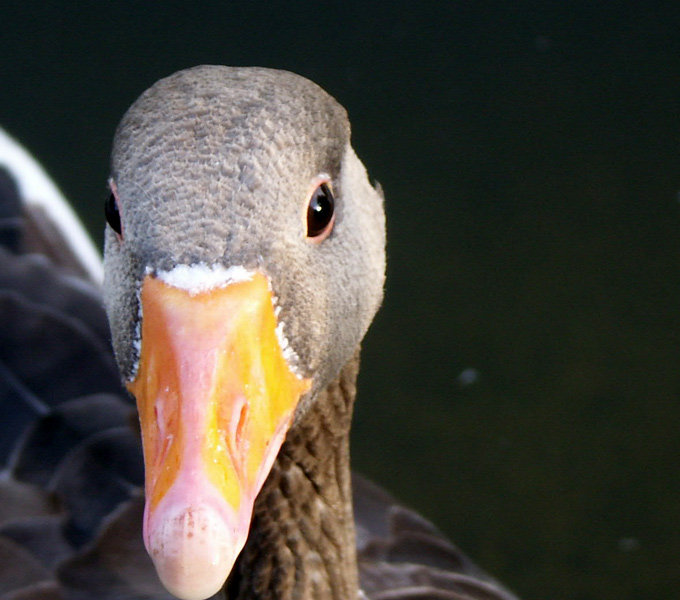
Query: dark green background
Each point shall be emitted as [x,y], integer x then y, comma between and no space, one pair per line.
[530,156]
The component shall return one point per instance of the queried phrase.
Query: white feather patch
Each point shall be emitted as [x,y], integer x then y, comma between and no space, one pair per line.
[201,277]
[286,349]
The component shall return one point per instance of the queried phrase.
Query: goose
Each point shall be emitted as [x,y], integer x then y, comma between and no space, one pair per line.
[244,262]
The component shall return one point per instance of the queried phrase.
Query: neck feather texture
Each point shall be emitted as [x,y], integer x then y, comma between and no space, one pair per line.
[301,544]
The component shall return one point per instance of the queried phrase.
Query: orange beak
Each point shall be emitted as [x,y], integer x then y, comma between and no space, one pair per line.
[215,396]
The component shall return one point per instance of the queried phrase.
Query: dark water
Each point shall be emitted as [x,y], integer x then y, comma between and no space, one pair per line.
[530,154]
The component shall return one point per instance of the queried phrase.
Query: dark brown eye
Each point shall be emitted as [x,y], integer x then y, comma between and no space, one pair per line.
[113,214]
[320,212]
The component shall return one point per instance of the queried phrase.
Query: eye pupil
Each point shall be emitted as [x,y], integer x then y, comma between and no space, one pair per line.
[320,210]
[112,214]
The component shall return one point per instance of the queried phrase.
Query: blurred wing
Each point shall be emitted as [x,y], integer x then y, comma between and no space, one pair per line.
[72,469]
[402,556]
[49,224]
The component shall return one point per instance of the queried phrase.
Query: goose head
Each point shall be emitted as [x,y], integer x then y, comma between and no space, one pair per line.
[244,262]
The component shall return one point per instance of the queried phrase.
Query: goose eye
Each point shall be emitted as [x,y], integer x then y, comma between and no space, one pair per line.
[113,214]
[320,212]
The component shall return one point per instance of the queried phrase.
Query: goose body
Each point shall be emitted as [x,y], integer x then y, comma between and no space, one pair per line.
[244,262]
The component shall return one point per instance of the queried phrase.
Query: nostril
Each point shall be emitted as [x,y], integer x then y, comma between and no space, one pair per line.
[241,424]
[239,419]
[164,437]
[238,438]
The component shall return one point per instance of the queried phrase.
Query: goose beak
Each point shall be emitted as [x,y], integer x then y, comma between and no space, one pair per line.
[215,396]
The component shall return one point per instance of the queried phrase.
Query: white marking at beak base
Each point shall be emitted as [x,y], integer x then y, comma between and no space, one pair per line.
[200,277]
